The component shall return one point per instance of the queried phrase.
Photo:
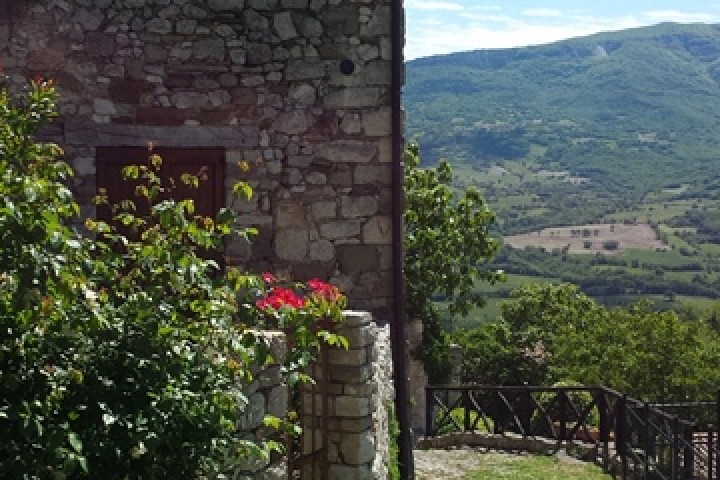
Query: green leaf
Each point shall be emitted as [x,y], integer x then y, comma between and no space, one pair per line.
[75,442]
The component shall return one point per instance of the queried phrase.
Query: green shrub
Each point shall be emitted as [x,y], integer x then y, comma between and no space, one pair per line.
[123,356]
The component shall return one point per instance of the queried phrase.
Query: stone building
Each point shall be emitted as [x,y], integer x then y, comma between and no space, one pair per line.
[302,90]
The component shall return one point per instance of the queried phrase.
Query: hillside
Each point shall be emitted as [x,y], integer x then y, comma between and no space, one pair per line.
[614,127]
[652,93]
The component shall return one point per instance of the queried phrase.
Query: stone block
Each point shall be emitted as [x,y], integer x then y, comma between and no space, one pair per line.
[364,206]
[339,229]
[291,123]
[297,4]
[284,26]
[378,73]
[277,401]
[378,174]
[351,357]
[311,27]
[357,258]
[160,26]
[377,231]
[352,97]
[184,100]
[303,94]
[346,472]
[356,318]
[290,214]
[323,210]
[380,23]
[358,448]
[356,425]
[128,90]
[292,244]
[345,374]
[305,69]
[102,106]
[347,151]
[349,406]
[212,49]
[254,413]
[321,251]
[258,54]
[224,5]
[357,336]
[341,21]
[99,44]
[377,123]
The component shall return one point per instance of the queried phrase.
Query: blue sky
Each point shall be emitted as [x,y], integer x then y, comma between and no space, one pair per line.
[443,26]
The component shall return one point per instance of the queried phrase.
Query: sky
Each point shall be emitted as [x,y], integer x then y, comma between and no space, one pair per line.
[444,26]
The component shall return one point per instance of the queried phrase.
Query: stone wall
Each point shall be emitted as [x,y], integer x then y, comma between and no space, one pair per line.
[266,395]
[299,89]
[361,394]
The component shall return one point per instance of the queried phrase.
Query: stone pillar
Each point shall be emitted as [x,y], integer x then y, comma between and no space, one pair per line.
[361,394]
[267,395]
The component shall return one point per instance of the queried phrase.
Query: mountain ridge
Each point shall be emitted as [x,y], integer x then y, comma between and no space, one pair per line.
[653,92]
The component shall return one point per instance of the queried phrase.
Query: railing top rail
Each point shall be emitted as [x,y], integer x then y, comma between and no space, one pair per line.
[579,388]
[683,404]
[569,388]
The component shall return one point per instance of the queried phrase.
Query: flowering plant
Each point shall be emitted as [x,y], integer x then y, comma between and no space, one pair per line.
[307,312]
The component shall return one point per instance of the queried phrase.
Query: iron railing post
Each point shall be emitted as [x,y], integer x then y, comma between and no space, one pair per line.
[620,433]
[604,430]
[429,412]
[688,451]
[710,454]
[563,415]
[675,453]
[646,439]
[466,409]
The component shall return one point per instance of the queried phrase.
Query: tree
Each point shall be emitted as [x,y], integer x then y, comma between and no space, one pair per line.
[555,333]
[447,242]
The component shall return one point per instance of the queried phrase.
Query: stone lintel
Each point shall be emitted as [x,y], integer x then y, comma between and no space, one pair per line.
[91,134]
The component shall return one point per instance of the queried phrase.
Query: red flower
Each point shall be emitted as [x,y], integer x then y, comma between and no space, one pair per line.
[323,289]
[268,277]
[280,297]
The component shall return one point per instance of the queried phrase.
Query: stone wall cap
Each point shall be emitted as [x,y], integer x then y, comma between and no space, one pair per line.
[356,318]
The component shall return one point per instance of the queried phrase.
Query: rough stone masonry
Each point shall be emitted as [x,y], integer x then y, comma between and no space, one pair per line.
[299,89]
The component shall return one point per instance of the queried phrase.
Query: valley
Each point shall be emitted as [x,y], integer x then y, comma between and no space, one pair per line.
[603,170]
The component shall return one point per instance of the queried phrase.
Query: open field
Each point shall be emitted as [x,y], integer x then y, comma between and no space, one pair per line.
[590,238]
[468,464]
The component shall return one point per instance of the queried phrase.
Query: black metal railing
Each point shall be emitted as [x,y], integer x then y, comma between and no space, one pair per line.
[631,438]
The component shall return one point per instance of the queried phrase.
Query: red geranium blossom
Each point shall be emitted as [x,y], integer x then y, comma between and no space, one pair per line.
[323,289]
[280,297]
[268,277]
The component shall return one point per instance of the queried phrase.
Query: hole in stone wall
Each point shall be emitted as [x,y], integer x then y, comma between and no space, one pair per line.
[347,67]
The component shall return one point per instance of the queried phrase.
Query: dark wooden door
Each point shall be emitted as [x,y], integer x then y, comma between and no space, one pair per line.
[208,163]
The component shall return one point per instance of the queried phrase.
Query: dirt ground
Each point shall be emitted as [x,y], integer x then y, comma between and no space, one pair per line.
[640,236]
[444,464]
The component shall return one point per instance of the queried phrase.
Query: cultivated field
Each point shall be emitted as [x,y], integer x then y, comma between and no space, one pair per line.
[590,238]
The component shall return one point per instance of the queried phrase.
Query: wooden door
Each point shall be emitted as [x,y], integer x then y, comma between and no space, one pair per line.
[206,162]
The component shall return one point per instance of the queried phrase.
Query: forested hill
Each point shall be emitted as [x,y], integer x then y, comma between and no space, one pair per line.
[629,110]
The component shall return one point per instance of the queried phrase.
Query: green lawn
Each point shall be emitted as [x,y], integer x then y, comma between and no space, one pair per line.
[532,467]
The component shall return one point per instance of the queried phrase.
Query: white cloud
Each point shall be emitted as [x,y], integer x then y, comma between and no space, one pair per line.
[473,28]
[542,12]
[486,8]
[434,5]
[677,16]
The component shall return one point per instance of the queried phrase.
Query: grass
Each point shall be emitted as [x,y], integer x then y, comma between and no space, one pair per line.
[532,467]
